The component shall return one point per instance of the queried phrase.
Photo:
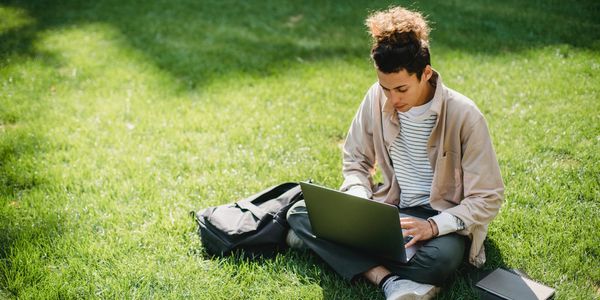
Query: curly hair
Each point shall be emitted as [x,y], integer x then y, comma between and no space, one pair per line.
[400,40]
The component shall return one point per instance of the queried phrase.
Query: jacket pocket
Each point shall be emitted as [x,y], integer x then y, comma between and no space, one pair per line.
[447,181]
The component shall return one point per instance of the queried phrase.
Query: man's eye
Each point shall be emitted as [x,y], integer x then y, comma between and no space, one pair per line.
[401,91]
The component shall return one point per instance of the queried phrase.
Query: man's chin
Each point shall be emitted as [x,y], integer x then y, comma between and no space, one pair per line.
[403,108]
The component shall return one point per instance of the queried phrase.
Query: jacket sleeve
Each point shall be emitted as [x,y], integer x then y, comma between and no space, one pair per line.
[482,181]
[359,152]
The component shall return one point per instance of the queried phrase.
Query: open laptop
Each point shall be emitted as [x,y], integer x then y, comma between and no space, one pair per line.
[356,222]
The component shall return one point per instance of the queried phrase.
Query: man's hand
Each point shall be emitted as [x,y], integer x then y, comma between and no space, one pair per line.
[419,229]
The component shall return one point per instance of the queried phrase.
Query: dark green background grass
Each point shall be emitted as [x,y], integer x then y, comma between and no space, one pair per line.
[119,117]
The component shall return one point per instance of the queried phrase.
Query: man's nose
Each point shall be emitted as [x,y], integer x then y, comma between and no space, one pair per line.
[395,97]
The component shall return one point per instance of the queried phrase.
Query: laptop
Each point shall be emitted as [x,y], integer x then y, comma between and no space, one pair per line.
[357,222]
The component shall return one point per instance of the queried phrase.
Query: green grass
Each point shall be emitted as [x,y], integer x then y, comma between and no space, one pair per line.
[119,117]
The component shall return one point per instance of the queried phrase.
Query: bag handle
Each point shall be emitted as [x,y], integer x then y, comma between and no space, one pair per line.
[255,210]
[271,193]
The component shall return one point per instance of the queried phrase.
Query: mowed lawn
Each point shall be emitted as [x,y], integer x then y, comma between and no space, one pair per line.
[117,118]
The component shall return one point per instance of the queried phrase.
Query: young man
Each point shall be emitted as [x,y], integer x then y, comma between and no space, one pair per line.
[436,158]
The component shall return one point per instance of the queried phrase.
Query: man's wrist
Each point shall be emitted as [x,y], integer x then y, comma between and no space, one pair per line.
[434,229]
[446,223]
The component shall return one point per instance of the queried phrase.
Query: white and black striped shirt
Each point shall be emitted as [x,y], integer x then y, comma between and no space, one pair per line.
[409,155]
[411,164]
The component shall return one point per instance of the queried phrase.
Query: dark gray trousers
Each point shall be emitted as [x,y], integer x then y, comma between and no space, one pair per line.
[432,264]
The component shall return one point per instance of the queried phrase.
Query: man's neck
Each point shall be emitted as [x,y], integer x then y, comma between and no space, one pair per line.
[429,93]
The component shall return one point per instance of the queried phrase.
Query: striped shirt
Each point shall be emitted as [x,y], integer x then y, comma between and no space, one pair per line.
[409,155]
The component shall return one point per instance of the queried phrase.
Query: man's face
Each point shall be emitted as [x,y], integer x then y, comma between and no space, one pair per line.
[405,91]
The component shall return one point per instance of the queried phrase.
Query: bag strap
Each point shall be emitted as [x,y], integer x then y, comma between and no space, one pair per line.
[255,210]
[271,193]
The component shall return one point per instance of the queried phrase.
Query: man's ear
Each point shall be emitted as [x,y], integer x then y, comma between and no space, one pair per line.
[428,72]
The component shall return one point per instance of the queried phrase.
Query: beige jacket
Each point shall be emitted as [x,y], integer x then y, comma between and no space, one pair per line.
[466,176]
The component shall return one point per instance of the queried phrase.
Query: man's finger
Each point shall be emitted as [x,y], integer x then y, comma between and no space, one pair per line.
[407,232]
[412,242]
[407,224]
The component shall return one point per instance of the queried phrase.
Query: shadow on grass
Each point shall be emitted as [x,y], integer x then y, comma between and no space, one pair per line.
[309,268]
[13,182]
[201,41]
[25,234]
[306,267]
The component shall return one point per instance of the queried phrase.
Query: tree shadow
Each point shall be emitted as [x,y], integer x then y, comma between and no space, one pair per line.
[12,182]
[493,28]
[459,286]
[20,226]
[303,263]
[198,42]
[309,268]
